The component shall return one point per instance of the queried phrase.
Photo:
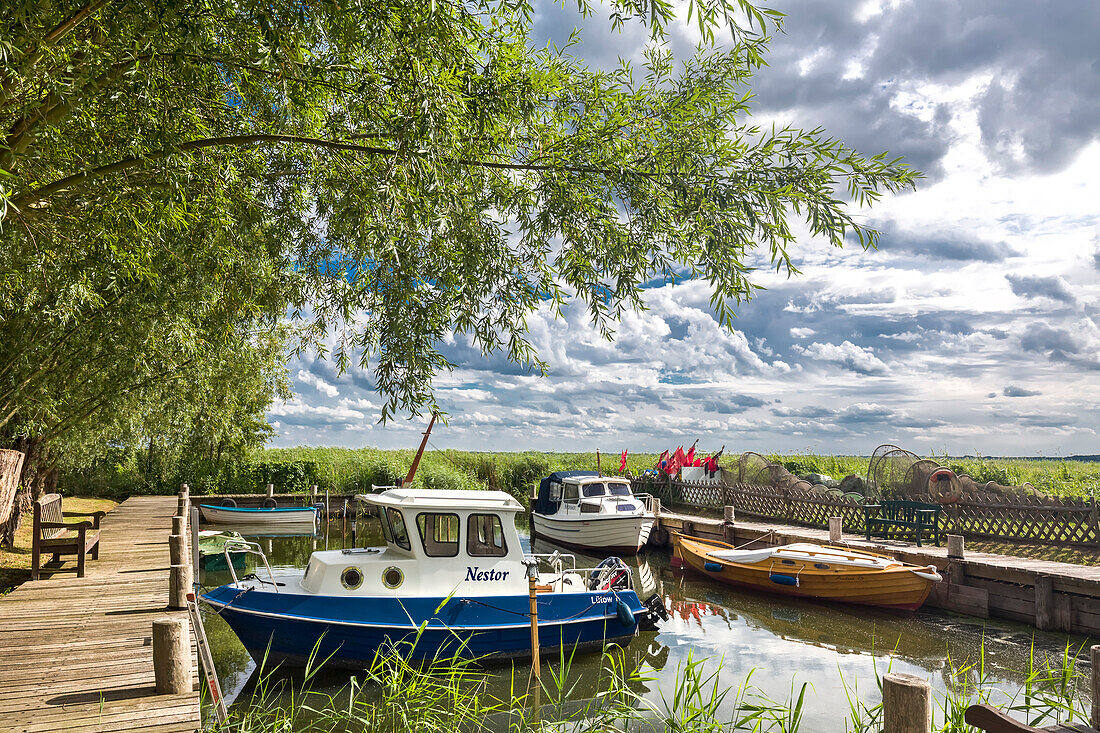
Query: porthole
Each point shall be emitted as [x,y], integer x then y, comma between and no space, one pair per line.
[351,578]
[821,566]
[392,577]
[788,562]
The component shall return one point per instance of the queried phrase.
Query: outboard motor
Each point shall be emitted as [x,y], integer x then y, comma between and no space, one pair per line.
[611,574]
[655,610]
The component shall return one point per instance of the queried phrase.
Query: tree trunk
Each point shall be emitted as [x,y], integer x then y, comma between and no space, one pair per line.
[11,468]
[36,468]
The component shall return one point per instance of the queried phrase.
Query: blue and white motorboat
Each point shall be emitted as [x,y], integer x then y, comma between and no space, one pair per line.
[451,580]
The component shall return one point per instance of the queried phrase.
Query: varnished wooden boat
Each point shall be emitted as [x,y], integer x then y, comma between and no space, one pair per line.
[824,572]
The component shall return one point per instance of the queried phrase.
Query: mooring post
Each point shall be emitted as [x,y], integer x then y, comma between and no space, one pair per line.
[179,525]
[536,664]
[1095,652]
[906,704]
[955,547]
[184,501]
[313,494]
[172,656]
[730,514]
[1044,603]
[179,576]
[836,530]
[656,503]
[271,491]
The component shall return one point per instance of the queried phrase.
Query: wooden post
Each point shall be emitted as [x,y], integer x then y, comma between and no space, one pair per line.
[955,546]
[730,514]
[1044,603]
[172,656]
[179,525]
[906,704]
[536,664]
[836,530]
[179,576]
[271,491]
[184,504]
[313,494]
[1095,651]
[656,503]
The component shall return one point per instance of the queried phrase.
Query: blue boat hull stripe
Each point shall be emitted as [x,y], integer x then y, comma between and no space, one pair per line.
[440,627]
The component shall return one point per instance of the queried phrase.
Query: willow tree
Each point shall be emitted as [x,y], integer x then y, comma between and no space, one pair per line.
[397,170]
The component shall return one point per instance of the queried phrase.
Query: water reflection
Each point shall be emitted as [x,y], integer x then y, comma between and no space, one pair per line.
[778,639]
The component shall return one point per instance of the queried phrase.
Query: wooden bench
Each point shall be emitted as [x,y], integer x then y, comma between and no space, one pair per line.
[917,517]
[53,536]
[992,720]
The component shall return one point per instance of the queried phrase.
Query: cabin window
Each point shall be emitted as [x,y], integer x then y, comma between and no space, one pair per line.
[570,493]
[439,533]
[555,491]
[385,526]
[619,489]
[593,489]
[588,507]
[485,536]
[397,528]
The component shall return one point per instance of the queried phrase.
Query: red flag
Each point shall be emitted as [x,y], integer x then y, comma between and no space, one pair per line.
[674,463]
[689,459]
[679,455]
[622,462]
[661,461]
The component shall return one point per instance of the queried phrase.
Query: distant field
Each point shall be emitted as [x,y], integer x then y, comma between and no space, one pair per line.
[350,470]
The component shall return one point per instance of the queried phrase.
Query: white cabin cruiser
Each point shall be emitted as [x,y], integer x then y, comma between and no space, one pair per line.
[587,511]
[452,579]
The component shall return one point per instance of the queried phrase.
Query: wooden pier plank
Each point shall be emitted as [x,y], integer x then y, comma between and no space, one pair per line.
[77,652]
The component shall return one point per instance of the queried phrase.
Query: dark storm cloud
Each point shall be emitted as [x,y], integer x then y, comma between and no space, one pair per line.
[942,245]
[1041,107]
[1041,338]
[1027,286]
[1012,391]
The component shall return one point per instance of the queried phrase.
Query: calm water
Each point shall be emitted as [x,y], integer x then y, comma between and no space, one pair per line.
[780,641]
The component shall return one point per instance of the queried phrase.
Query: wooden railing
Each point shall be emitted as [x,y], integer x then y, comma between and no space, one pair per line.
[1039,520]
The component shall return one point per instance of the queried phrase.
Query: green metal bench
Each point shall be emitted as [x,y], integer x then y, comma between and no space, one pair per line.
[916,517]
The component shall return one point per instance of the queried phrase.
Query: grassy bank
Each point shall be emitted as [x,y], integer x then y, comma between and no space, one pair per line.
[454,695]
[347,470]
[15,563]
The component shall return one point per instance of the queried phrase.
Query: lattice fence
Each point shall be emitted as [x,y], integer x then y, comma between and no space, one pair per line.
[1042,520]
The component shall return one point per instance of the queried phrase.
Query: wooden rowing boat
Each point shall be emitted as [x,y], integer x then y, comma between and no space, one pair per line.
[823,572]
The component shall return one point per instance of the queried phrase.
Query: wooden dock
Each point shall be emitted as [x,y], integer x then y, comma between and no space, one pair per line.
[76,654]
[1051,596]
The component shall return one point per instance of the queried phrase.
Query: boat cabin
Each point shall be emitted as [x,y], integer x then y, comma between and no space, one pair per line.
[437,542]
[586,492]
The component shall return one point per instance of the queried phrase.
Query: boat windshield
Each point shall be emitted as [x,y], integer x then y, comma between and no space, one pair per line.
[619,489]
[594,490]
[397,528]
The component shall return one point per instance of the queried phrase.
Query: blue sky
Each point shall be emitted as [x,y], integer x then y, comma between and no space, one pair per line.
[974,328]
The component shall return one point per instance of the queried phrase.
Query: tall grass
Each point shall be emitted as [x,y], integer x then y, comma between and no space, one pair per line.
[393,696]
[348,470]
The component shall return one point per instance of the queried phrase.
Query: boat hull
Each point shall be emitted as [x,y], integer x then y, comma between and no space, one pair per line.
[281,517]
[289,628]
[897,588]
[624,535]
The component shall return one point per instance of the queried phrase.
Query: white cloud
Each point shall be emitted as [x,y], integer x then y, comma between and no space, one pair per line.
[321,385]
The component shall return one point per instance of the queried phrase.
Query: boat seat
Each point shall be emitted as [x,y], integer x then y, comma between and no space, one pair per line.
[742,556]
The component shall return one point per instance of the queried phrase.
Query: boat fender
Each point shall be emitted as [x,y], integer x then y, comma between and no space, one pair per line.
[712,567]
[229,503]
[784,579]
[270,503]
[676,563]
[626,616]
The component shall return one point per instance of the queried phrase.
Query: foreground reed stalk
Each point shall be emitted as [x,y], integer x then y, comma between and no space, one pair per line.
[453,694]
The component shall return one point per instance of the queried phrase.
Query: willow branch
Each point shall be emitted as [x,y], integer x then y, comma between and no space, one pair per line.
[78,179]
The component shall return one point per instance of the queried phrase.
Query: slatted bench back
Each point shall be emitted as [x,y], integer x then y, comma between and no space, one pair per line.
[48,509]
[905,511]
